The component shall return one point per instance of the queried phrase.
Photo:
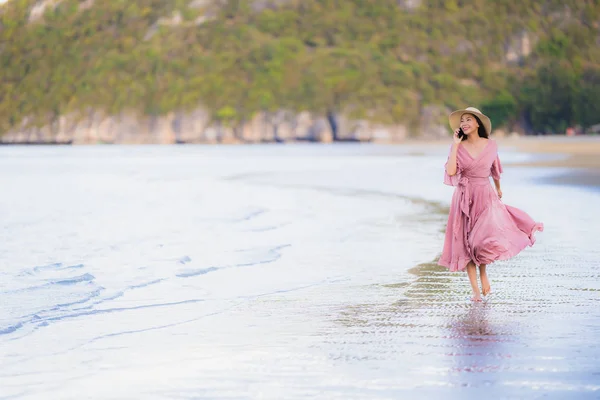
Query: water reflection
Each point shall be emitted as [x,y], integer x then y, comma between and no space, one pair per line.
[474,326]
[477,341]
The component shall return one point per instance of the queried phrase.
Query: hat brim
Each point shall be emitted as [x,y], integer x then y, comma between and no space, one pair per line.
[454,119]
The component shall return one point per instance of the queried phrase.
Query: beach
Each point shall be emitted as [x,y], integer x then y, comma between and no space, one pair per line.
[287,272]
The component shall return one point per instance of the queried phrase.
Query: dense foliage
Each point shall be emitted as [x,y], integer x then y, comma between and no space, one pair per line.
[376,59]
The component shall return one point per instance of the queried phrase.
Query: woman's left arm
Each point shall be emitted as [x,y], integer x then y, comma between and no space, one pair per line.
[496,172]
[497,183]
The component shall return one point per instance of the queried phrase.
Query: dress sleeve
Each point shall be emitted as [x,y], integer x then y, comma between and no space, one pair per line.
[452,180]
[496,168]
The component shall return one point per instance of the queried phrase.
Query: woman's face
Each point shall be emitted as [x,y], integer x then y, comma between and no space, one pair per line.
[468,124]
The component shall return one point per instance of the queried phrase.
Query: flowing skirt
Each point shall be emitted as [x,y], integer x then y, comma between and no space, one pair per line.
[491,231]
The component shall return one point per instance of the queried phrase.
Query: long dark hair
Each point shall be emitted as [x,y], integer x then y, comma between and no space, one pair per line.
[480,130]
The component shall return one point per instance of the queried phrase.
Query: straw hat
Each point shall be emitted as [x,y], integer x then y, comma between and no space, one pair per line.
[455,118]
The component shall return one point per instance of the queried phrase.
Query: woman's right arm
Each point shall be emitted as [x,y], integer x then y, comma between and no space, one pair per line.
[451,166]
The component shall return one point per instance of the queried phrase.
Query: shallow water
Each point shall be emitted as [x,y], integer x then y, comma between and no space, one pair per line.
[277,272]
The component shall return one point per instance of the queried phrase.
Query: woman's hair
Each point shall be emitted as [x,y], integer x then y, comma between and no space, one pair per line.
[481,130]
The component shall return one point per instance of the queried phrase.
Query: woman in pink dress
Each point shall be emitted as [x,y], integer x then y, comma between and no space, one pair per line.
[481,229]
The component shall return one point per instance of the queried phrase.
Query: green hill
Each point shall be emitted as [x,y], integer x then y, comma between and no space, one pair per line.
[532,65]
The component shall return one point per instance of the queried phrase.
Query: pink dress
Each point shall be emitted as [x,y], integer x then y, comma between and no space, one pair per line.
[480,227]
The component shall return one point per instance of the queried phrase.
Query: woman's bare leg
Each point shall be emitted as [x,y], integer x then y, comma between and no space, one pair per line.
[485,282]
[472,272]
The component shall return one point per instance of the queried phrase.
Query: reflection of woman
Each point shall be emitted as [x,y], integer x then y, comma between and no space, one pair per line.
[481,229]
[474,324]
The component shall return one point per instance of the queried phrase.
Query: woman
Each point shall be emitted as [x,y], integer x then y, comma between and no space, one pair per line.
[481,229]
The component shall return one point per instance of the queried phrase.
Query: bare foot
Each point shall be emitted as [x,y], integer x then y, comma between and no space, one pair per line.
[472,272]
[485,284]
[476,299]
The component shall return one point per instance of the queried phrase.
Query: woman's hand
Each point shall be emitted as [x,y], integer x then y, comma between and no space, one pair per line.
[456,139]
[499,193]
